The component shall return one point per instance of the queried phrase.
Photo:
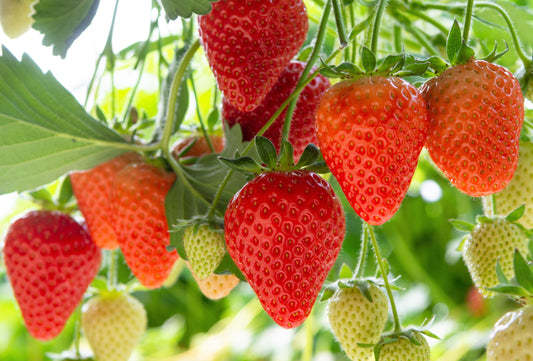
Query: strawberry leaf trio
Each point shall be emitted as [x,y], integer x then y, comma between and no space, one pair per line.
[283,230]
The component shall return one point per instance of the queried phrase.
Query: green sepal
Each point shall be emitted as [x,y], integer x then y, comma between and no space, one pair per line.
[437,64]
[510,290]
[417,68]
[328,292]
[516,214]
[462,243]
[243,164]
[523,272]
[482,219]
[286,156]
[461,225]
[266,151]
[65,193]
[500,275]
[318,167]
[456,49]
[494,55]
[345,271]
[212,118]
[344,70]
[368,59]
[391,63]
[227,266]
[310,154]
[364,287]
[346,283]
[365,345]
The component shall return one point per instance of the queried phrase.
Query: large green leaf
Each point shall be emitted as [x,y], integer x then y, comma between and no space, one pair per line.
[185,8]
[62,21]
[44,131]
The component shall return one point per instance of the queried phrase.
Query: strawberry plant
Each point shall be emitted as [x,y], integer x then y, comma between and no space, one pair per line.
[255,179]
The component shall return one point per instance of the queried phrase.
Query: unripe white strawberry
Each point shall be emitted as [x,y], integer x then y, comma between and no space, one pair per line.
[492,240]
[355,319]
[405,350]
[215,286]
[518,191]
[205,249]
[16,16]
[113,322]
[511,338]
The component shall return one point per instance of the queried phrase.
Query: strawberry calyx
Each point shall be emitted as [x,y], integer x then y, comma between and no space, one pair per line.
[520,287]
[411,334]
[310,160]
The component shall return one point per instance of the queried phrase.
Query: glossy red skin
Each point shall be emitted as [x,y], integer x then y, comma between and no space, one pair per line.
[50,261]
[284,230]
[249,43]
[92,189]
[476,112]
[303,124]
[371,131]
[138,202]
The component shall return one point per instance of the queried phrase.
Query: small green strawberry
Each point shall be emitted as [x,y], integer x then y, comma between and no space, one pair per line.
[355,319]
[114,323]
[511,338]
[490,241]
[404,349]
[205,248]
[518,191]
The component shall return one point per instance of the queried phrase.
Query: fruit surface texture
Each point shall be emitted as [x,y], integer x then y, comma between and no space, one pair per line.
[205,249]
[371,131]
[303,124]
[489,243]
[50,261]
[113,323]
[215,286]
[16,16]
[138,201]
[249,43]
[476,112]
[511,338]
[405,350]
[92,190]
[355,319]
[284,231]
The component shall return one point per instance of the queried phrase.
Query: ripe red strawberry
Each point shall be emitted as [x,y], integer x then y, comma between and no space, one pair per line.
[303,120]
[138,203]
[512,337]
[92,190]
[50,261]
[198,146]
[284,231]
[476,112]
[113,322]
[371,131]
[249,43]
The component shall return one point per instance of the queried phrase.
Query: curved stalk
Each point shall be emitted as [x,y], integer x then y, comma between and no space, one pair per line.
[382,5]
[468,20]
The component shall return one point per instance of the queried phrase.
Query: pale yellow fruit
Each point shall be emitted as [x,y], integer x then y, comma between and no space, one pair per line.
[511,338]
[405,350]
[16,16]
[216,286]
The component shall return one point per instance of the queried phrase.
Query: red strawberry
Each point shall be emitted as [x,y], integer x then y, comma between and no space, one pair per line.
[371,131]
[138,203]
[249,43]
[476,112]
[303,121]
[92,189]
[284,231]
[50,261]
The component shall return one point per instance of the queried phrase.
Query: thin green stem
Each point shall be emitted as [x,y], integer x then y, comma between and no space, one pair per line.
[379,259]
[199,115]
[112,269]
[359,271]
[354,40]
[382,5]
[493,204]
[307,354]
[397,33]
[516,40]
[339,20]
[133,92]
[77,331]
[93,78]
[468,19]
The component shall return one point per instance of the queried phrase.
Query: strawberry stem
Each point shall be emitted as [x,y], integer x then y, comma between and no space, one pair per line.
[382,5]
[359,271]
[379,259]
[468,20]
[112,270]
[199,115]
[77,331]
[340,22]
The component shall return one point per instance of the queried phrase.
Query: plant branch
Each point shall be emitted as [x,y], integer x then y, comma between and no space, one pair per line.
[339,21]
[382,5]
[468,20]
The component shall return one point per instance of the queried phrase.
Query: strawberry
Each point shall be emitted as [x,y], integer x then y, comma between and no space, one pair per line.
[490,241]
[92,190]
[196,146]
[302,130]
[371,131]
[356,319]
[138,204]
[113,322]
[476,112]
[512,337]
[205,249]
[216,286]
[284,230]
[249,43]
[50,261]
[16,16]
[518,191]
[404,349]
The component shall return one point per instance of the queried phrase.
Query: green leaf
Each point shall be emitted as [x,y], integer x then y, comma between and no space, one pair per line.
[391,63]
[44,131]
[516,214]
[243,164]
[286,155]
[462,225]
[308,157]
[345,271]
[212,118]
[185,8]
[502,278]
[510,290]
[62,21]
[228,266]
[328,292]
[523,272]
[368,59]
[267,151]
[454,42]
[65,193]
